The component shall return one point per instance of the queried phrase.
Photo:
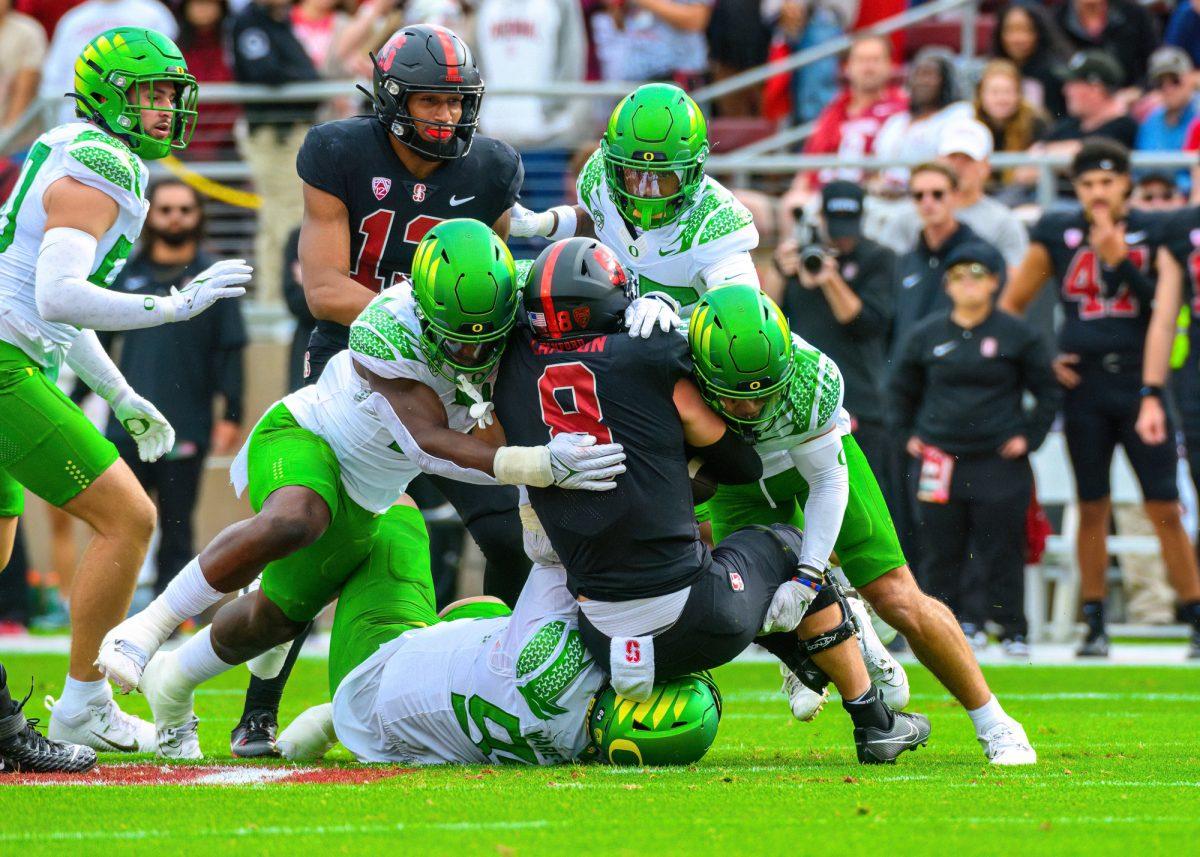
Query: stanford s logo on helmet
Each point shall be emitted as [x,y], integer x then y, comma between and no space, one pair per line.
[427,58]
[577,288]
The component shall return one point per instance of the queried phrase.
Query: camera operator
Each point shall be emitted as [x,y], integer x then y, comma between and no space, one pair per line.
[838,296]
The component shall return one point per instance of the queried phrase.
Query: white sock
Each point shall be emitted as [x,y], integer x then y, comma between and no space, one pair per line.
[196,661]
[186,596]
[987,715]
[78,695]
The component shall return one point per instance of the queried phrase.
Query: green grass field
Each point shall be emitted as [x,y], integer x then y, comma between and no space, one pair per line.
[1120,769]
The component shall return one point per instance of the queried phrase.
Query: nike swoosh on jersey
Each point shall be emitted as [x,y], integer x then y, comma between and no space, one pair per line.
[132,748]
[945,348]
[455,201]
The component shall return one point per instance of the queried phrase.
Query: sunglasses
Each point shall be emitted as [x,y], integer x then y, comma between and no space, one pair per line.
[919,195]
[1156,197]
[1169,80]
[172,209]
[974,270]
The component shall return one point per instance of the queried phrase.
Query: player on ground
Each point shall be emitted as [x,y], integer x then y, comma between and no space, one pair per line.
[492,689]
[787,398]
[644,194]
[373,186]
[327,466]
[655,601]
[1103,255]
[65,231]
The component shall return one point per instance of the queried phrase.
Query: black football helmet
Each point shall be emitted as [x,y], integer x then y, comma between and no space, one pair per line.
[427,58]
[577,288]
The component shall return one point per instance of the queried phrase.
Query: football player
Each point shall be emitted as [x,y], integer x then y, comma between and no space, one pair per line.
[644,194]
[327,466]
[655,602]
[786,396]
[1103,256]
[65,232]
[373,186]
[23,748]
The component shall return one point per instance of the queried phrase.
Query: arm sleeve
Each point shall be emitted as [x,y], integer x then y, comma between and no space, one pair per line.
[65,296]
[427,463]
[1038,377]
[736,268]
[874,288]
[822,463]
[88,359]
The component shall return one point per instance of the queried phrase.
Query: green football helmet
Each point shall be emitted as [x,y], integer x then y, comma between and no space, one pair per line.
[113,73]
[465,283]
[741,349]
[675,726]
[654,151]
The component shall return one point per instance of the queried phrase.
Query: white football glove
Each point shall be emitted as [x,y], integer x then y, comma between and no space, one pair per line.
[526,224]
[223,279]
[534,539]
[788,607]
[145,424]
[649,310]
[578,462]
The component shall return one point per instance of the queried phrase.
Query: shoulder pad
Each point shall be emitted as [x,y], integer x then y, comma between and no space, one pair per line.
[816,391]
[590,178]
[108,158]
[379,334]
[716,215]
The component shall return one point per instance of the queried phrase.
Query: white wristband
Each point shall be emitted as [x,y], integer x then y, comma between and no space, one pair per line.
[523,465]
[567,221]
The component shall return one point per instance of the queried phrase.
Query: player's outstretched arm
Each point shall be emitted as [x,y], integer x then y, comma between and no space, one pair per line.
[713,450]
[77,217]
[325,260]
[1151,422]
[414,415]
[1027,280]
[562,221]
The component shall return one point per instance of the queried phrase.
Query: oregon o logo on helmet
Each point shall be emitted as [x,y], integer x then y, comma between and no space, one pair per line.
[476,327]
[647,156]
[754,385]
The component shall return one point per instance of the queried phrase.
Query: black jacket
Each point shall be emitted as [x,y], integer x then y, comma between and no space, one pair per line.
[266,51]
[961,389]
[859,347]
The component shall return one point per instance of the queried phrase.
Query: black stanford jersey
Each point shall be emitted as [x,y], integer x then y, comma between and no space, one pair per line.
[389,209]
[1181,237]
[639,539]
[1094,325]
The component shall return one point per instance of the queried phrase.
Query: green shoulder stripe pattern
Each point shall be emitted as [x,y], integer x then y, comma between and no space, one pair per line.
[728,219]
[524,266]
[543,692]
[108,162]
[379,334]
[816,389]
[591,177]
[8,216]
[693,220]
[539,648]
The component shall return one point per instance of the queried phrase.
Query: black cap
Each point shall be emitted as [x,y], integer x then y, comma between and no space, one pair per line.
[1095,67]
[842,208]
[976,251]
[1100,153]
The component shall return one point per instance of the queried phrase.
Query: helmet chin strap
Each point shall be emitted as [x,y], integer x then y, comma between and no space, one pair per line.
[481,409]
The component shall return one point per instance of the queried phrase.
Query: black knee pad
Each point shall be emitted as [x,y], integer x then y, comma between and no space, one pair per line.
[844,630]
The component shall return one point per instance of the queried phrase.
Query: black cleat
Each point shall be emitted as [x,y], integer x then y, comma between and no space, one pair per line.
[23,748]
[1094,645]
[254,736]
[881,746]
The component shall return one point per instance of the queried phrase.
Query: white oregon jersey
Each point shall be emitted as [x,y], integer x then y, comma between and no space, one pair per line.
[95,158]
[512,689]
[383,339]
[672,258]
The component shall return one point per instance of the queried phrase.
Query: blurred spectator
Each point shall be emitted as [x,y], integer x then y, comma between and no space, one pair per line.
[1165,128]
[22,50]
[652,39]
[206,361]
[266,51]
[1027,36]
[957,396]
[1093,107]
[1120,28]
[965,147]
[933,104]
[1157,191]
[1183,29]
[202,40]
[844,307]
[800,25]
[82,24]
[1015,124]
[530,43]
[337,42]
[46,12]
[739,38]
[293,296]
[445,13]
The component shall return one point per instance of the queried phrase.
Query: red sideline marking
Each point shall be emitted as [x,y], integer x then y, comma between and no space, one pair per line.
[189,775]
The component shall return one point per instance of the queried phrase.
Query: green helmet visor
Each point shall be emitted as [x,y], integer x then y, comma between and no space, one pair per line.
[469,356]
[749,408]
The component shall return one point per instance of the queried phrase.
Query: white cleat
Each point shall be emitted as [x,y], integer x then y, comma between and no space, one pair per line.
[180,742]
[804,702]
[886,673]
[1007,744]
[171,699]
[121,661]
[104,727]
[310,736]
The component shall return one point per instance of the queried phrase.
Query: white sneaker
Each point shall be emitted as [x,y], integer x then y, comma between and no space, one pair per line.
[171,700]
[180,742]
[310,736]
[886,674]
[805,703]
[121,661]
[1007,744]
[104,727]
